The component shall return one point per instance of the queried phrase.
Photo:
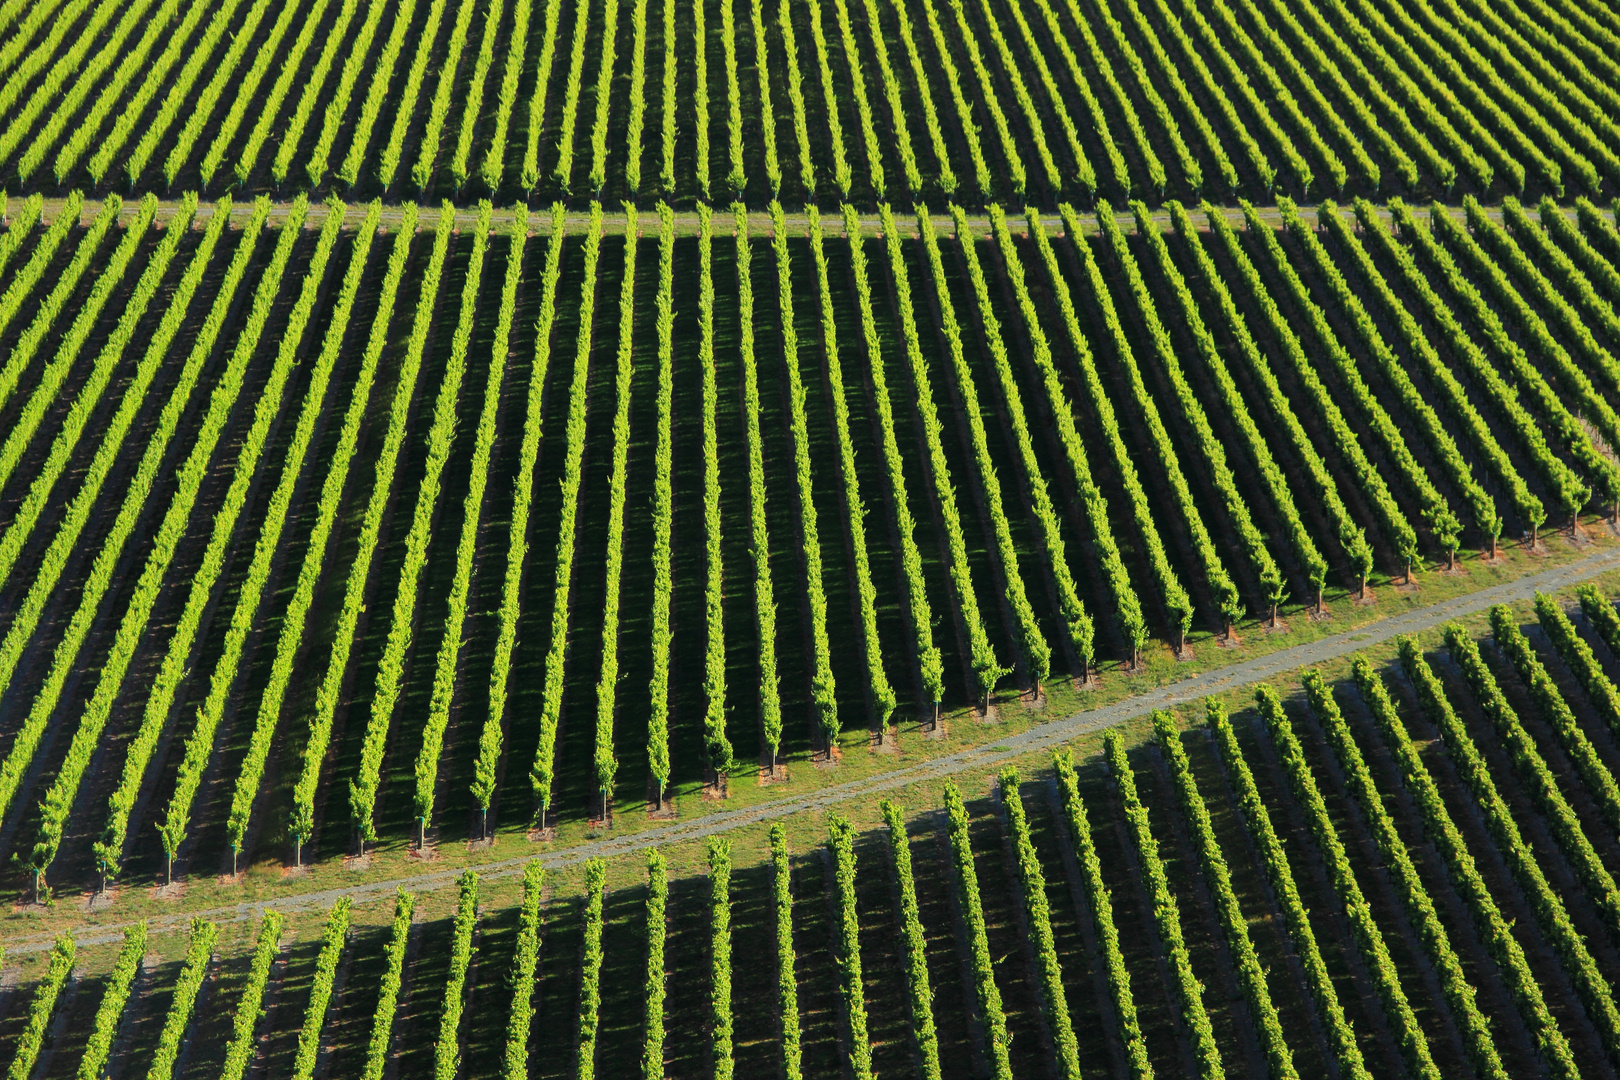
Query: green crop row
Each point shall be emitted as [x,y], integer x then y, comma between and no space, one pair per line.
[333,939]
[382,1021]
[847,947]
[823,688]
[1364,927]
[447,1050]
[542,772]
[492,737]
[920,991]
[448,663]
[244,1043]
[1166,914]
[922,625]
[985,666]
[1341,1034]
[302,818]
[295,618]
[525,957]
[32,1036]
[1414,894]
[606,763]
[1037,652]
[1102,916]
[1038,916]
[1550,913]
[109,1014]
[965,882]
[770,701]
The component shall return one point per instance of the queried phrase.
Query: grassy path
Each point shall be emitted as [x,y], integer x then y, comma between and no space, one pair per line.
[686,221]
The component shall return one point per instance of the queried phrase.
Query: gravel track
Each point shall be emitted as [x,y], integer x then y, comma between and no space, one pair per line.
[1041,737]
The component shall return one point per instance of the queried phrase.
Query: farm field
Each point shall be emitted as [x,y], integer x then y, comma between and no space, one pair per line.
[977,100]
[965,538]
[325,533]
[1393,862]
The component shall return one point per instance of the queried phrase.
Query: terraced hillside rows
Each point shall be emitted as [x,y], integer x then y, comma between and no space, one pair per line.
[1401,865]
[977,100]
[325,525]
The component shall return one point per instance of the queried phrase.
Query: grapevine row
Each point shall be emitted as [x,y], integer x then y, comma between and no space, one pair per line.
[717,747]
[1036,651]
[247,92]
[607,683]
[543,770]
[1237,411]
[882,693]
[314,84]
[1038,916]
[720,1018]
[409,91]
[1132,621]
[447,1051]
[928,657]
[1490,925]
[492,737]
[986,668]
[337,107]
[965,882]
[448,662]
[1341,1034]
[1566,486]
[658,762]
[376,93]
[1414,894]
[1364,927]
[1081,632]
[847,938]
[1578,654]
[472,107]
[525,958]
[1251,975]
[1439,440]
[1442,520]
[215,558]
[1166,915]
[168,533]
[200,745]
[1177,602]
[921,994]
[334,937]
[1549,908]
[1102,916]
[109,1014]
[301,823]
[243,1046]
[770,702]
[1194,417]
[1556,713]
[1373,486]
[382,1021]
[295,618]
[199,953]
[40,1010]
[823,688]
[656,991]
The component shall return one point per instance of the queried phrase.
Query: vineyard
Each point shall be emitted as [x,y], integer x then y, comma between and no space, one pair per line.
[976,100]
[328,526]
[1400,865]
[1086,529]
